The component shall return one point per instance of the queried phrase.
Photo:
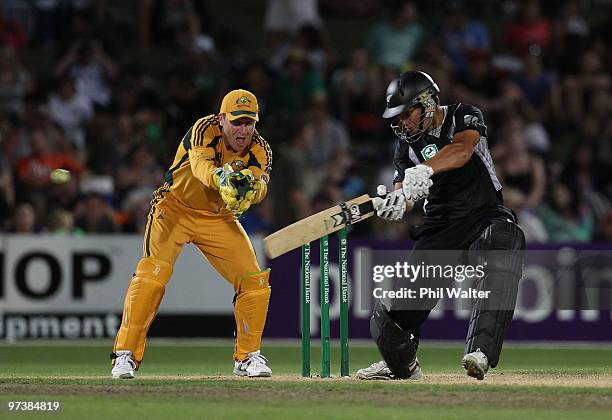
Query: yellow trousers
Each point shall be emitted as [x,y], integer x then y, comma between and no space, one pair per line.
[224,243]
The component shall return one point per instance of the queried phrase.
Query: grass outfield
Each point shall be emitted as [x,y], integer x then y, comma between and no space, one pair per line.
[193,380]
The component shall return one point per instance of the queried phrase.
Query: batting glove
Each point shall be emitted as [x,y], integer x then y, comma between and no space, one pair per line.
[393,205]
[416,182]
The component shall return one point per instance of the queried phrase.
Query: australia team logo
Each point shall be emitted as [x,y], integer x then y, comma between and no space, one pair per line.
[243,100]
[238,165]
[429,151]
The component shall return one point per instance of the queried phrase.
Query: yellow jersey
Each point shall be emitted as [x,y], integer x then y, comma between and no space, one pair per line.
[202,150]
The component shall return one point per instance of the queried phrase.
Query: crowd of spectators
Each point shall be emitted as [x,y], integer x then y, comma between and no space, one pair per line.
[107,89]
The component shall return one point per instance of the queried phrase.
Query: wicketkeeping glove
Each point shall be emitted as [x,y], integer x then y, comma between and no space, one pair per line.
[247,186]
[237,189]
[245,203]
[229,193]
[417,182]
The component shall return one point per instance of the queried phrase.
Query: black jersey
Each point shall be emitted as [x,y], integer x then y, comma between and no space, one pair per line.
[458,193]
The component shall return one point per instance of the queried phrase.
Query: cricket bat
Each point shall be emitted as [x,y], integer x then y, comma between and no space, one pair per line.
[320,224]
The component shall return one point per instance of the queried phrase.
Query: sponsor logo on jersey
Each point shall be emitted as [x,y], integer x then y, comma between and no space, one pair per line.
[470,120]
[429,151]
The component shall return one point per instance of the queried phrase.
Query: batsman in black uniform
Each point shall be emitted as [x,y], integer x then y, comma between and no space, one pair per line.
[442,156]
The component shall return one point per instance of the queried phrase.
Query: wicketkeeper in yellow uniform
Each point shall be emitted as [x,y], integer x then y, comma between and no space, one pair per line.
[222,167]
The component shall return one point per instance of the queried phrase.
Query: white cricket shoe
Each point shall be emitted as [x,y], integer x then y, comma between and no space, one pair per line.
[255,365]
[380,370]
[476,364]
[124,365]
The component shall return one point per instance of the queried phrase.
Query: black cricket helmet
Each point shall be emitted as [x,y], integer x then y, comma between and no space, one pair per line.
[409,90]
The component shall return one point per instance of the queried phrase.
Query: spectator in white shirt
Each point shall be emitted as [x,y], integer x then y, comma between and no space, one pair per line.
[72,111]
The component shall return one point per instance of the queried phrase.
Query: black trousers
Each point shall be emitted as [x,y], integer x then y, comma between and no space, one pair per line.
[462,236]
